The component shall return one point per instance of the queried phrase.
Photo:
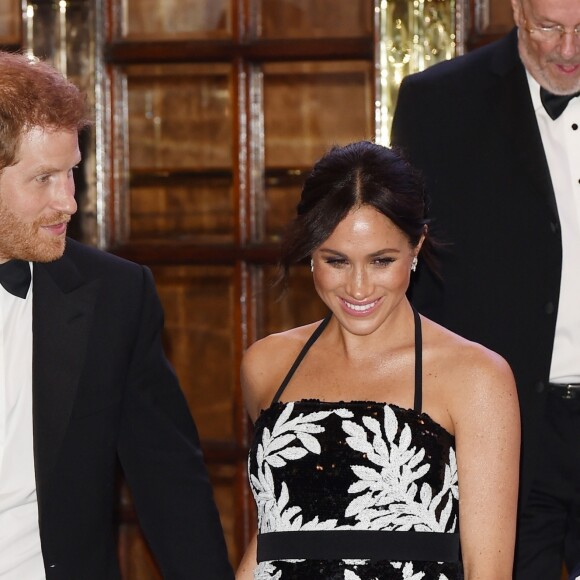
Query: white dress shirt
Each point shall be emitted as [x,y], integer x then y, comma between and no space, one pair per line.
[561,139]
[20,553]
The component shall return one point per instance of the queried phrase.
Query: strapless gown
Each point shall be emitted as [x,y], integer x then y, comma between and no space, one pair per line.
[336,481]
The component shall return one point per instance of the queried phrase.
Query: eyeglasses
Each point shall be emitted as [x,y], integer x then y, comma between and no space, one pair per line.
[552,33]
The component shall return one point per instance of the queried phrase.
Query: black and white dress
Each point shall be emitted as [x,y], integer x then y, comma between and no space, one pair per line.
[356,490]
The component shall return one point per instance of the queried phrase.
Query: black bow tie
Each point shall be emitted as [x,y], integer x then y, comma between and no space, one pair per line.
[555,105]
[15,277]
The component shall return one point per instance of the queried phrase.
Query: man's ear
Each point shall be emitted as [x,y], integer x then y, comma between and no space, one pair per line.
[517,12]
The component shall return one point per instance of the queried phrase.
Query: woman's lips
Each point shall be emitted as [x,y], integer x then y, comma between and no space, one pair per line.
[359,309]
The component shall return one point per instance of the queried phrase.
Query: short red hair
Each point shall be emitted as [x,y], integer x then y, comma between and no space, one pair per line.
[34,94]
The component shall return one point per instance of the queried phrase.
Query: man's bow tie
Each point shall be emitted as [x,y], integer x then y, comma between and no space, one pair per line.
[15,277]
[555,104]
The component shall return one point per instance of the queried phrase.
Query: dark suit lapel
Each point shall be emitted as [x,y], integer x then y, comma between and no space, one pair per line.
[515,115]
[63,305]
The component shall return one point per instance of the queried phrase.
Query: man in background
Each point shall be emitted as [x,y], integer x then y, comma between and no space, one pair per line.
[83,376]
[496,134]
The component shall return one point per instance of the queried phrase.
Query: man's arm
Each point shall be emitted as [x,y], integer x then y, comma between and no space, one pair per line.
[160,454]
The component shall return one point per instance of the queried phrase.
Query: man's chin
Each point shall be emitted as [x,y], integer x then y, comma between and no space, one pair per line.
[546,72]
[560,83]
[48,252]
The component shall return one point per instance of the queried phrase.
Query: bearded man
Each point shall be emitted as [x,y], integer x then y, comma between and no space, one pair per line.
[496,134]
[84,381]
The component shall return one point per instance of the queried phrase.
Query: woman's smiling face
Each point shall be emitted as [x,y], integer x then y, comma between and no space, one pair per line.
[362,271]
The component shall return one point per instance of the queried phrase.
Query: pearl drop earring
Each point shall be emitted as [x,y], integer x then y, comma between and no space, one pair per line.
[311,265]
[414,263]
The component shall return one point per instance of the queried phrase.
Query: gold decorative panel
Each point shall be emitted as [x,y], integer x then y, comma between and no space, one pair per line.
[413,34]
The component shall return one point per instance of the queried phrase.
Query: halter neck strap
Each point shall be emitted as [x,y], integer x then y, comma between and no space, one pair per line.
[418,397]
[319,329]
[418,402]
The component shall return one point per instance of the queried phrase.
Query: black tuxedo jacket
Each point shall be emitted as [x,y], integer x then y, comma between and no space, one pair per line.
[102,390]
[469,125]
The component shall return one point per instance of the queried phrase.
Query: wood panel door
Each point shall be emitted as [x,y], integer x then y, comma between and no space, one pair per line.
[219,110]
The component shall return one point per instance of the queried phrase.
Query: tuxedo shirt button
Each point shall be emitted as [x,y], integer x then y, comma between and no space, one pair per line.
[549,308]
[574,126]
[540,387]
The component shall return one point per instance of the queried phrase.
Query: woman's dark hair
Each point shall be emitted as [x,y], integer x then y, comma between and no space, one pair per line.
[345,178]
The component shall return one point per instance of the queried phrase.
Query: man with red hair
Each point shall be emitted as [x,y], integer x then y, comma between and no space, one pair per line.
[84,380]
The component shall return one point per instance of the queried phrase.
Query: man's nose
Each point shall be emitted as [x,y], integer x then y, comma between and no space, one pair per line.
[64,198]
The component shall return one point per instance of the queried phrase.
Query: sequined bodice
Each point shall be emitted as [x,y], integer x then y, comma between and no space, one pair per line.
[357,490]
[353,466]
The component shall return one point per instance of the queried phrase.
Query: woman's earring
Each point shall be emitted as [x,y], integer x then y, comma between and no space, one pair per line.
[311,265]
[414,263]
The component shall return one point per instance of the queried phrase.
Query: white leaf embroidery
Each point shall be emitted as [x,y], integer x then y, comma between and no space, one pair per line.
[387,492]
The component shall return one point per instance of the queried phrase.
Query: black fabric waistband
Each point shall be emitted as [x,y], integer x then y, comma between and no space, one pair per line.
[358,544]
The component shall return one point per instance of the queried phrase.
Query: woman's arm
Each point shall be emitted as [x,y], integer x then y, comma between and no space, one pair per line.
[263,368]
[260,373]
[255,381]
[486,416]
[248,564]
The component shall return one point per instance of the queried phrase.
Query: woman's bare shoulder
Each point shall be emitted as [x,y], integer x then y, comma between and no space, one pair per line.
[466,366]
[267,361]
[270,351]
